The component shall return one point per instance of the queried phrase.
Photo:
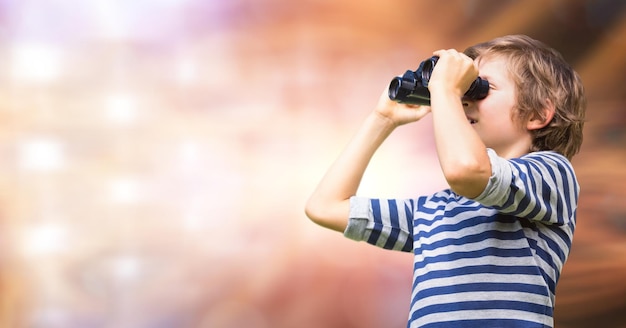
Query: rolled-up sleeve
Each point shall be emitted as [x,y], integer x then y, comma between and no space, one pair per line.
[360,215]
[384,223]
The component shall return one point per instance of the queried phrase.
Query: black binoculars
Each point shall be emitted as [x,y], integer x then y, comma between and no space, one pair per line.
[412,87]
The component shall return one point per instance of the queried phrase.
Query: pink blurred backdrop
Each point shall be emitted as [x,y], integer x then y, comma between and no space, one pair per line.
[156,156]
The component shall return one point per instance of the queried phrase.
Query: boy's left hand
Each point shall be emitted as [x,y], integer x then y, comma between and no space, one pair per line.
[454,72]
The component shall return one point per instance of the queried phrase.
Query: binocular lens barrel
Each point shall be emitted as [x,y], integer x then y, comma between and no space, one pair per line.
[395,88]
[412,87]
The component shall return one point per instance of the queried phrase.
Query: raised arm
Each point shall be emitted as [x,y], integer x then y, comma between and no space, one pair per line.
[462,154]
[329,205]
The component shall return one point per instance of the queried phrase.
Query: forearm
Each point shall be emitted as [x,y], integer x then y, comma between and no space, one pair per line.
[329,205]
[462,154]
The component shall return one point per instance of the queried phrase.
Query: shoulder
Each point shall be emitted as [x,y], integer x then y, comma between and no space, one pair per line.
[541,172]
[545,156]
[546,162]
[531,166]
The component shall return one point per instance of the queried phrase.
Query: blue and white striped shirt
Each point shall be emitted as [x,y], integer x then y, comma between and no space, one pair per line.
[492,261]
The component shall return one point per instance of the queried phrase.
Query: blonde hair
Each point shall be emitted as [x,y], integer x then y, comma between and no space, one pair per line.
[540,74]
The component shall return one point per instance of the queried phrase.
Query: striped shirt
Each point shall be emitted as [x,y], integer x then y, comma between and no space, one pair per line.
[492,261]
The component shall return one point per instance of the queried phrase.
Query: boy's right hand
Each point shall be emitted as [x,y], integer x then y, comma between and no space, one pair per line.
[397,113]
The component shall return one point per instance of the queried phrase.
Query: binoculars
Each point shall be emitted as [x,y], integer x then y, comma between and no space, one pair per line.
[412,87]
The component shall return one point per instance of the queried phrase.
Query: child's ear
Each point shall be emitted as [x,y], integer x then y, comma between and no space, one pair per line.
[536,122]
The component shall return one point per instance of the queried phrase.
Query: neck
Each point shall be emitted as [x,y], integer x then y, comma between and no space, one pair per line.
[519,149]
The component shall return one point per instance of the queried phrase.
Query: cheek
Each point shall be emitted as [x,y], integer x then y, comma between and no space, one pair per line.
[499,115]
[499,104]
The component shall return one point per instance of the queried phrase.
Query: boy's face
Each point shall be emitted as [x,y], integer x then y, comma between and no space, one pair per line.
[492,116]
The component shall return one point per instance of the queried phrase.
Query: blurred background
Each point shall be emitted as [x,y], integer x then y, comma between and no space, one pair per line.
[156,155]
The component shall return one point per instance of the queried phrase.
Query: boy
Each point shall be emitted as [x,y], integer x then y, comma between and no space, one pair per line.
[488,252]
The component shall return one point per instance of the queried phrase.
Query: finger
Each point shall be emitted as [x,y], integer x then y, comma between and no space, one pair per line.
[446,52]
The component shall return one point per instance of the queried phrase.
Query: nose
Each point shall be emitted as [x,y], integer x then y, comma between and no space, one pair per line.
[466,101]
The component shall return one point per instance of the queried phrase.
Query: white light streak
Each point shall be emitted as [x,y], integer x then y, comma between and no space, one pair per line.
[41,154]
[35,62]
[46,239]
[121,108]
[125,191]
[186,71]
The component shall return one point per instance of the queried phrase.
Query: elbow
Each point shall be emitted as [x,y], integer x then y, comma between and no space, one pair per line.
[468,178]
[311,211]
[314,210]
[331,216]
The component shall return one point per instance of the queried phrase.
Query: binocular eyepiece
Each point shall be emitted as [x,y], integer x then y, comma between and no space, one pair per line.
[412,87]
